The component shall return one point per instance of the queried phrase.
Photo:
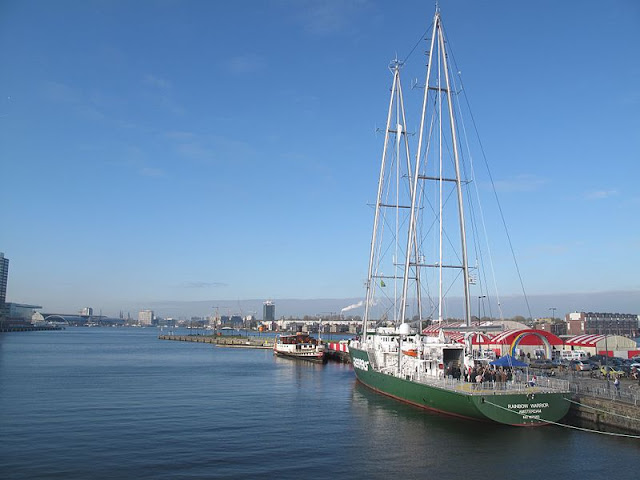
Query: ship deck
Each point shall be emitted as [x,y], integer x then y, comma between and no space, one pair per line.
[543,385]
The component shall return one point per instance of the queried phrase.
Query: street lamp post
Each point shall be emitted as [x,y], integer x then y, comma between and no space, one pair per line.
[480,298]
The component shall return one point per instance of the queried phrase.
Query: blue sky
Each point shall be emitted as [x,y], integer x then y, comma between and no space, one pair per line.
[192,150]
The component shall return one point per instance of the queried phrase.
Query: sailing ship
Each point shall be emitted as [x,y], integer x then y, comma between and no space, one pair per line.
[419,256]
[300,346]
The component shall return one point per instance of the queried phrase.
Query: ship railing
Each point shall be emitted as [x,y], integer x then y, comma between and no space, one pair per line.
[628,395]
[555,384]
[489,387]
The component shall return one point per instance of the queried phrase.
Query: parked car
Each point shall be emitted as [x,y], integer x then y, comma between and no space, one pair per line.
[611,371]
[581,366]
[598,359]
[617,361]
[541,363]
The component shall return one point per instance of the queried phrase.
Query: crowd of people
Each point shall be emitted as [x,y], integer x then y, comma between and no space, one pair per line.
[488,373]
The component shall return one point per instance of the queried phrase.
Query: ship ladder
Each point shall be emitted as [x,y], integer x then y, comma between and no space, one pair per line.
[373,360]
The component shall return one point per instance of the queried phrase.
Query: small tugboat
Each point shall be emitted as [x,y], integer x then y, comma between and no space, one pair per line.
[300,346]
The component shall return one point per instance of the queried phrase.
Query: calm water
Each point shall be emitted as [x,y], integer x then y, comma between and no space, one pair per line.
[93,403]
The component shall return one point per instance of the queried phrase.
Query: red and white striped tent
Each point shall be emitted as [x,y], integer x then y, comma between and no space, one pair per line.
[613,345]
[527,340]
[477,338]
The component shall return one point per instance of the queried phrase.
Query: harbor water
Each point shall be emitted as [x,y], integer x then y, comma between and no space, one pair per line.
[105,403]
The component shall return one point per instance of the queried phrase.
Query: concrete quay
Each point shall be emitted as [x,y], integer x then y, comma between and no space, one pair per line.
[28,328]
[602,414]
[223,341]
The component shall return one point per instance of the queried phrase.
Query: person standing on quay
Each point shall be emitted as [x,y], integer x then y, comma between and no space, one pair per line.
[616,383]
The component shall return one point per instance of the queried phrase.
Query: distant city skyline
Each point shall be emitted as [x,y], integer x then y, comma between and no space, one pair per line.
[157,152]
[541,306]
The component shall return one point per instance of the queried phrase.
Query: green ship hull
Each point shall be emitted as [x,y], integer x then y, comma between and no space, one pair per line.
[535,407]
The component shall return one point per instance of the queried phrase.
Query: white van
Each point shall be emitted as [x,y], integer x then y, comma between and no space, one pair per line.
[573,355]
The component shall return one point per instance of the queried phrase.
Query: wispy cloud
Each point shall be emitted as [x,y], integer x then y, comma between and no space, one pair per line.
[521,183]
[152,172]
[207,147]
[328,17]
[198,284]
[155,81]
[549,249]
[191,145]
[180,135]
[631,97]
[161,91]
[61,93]
[601,194]
[84,104]
[249,63]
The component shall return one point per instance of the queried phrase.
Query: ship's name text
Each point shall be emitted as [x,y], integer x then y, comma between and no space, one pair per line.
[361,364]
[515,406]
[529,410]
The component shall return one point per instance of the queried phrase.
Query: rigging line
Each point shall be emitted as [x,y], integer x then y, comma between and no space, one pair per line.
[589,430]
[484,284]
[474,215]
[495,193]
[486,236]
[482,278]
[603,411]
[433,223]
[422,37]
[433,103]
[502,218]
[451,285]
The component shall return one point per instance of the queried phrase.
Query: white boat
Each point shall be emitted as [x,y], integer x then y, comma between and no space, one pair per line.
[300,346]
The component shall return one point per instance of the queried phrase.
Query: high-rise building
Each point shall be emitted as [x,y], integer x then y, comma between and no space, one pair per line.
[4,275]
[268,311]
[145,317]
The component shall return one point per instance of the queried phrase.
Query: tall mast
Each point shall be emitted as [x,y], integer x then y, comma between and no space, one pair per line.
[414,187]
[440,190]
[409,179]
[454,141]
[437,53]
[395,68]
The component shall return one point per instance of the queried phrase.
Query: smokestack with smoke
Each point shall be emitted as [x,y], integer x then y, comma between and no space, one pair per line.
[351,307]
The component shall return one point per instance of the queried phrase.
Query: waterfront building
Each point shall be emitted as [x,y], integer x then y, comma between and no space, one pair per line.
[598,323]
[268,311]
[558,328]
[610,345]
[250,322]
[87,312]
[145,317]
[236,321]
[18,315]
